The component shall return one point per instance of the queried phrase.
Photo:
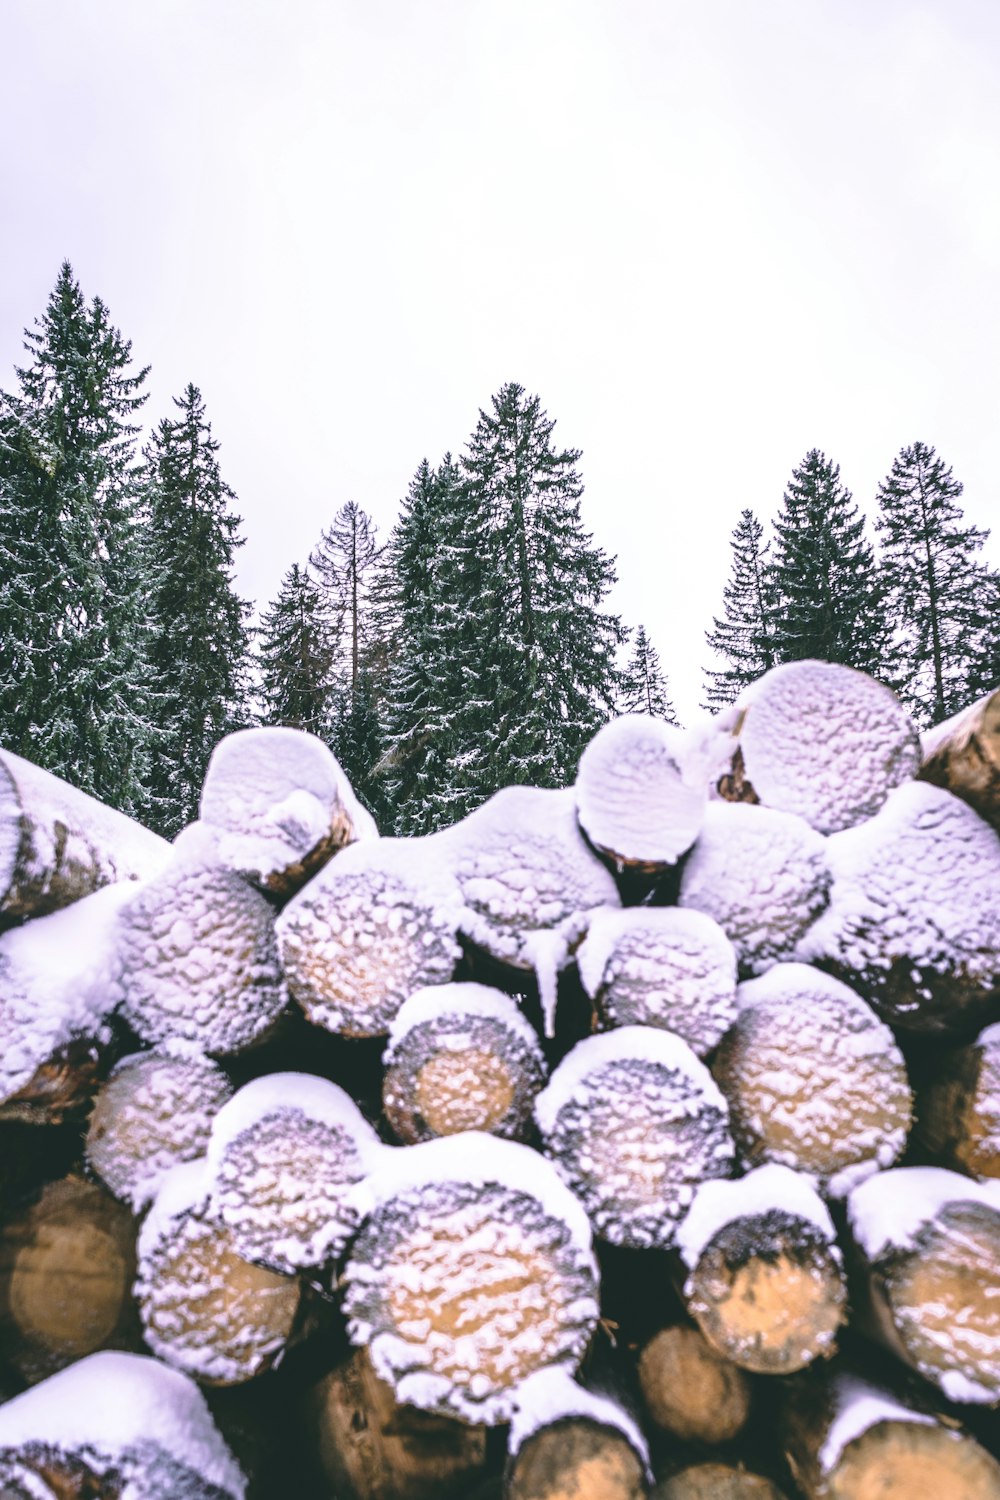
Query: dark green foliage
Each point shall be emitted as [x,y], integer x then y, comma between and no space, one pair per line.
[744,634]
[356,737]
[200,638]
[296,653]
[644,686]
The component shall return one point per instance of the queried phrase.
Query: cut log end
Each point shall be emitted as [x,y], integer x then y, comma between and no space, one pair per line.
[896,1460]
[958,1120]
[963,756]
[690,1390]
[62,1088]
[576,1457]
[716,1482]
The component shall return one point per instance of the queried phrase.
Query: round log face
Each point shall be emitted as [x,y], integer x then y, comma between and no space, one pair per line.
[715,1482]
[911,1461]
[575,1457]
[690,1390]
[959,1114]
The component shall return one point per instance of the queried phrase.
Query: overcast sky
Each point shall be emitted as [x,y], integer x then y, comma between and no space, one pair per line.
[710,235]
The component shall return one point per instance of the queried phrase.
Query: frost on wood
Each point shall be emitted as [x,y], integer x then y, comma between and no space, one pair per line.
[814,1080]
[473,1271]
[285,1153]
[199,958]
[58,844]
[914,915]
[552,1394]
[120,1416]
[461,1057]
[633,800]
[282,804]
[963,755]
[527,880]
[825,742]
[761,875]
[634,1122]
[661,966]
[932,1242]
[958,1118]
[152,1113]
[379,922]
[204,1308]
[55,993]
[565,1440]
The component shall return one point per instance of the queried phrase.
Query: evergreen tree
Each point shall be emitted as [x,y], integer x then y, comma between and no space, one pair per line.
[644,685]
[296,654]
[200,637]
[938,592]
[828,601]
[75,695]
[744,634]
[357,739]
[344,560]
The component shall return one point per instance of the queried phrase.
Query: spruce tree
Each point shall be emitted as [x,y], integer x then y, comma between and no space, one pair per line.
[296,654]
[744,634]
[200,637]
[344,561]
[822,571]
[75,696]
[938,592]
[644,685]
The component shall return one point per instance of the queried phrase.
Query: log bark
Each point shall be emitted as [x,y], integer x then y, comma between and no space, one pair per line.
[573,1457]
[690,1390]
[58,844]
[371,1448]
[67,1263]
[963,756]
[958,1115]
[716,1482]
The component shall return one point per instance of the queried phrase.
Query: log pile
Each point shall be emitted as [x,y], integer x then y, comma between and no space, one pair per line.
[636,1139]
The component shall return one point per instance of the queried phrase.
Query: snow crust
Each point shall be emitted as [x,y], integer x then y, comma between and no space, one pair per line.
[109,1403]
[762,875]
[661,966]
[303,1094]
[183,1190]
[888,1211]
[989,1037]
[633,799]
[56,981]
[859,1407]
[719,1202]
[443,1002]
[277,793]
[826,742]
[551,1394]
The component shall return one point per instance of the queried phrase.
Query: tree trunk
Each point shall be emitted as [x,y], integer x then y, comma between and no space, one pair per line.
[963,756]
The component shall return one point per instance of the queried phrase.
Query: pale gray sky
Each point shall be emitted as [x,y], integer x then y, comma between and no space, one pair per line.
[711,235]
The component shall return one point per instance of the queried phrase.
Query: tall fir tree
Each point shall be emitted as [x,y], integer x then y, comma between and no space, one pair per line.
[296,654]
[744,635]
[939,594]
[828,601]
[200,636]
[75,694]
[644,683]
[344,561]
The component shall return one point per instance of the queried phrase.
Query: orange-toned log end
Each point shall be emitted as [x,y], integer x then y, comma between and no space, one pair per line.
[716,1482]
[958,1115]
[371,1447]
[67,1263]
[690,1390]
[906,1461]
[576,1459]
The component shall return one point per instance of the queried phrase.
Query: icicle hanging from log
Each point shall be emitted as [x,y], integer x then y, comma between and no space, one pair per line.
[958,1114]
[473,1270]
[460,1057]
[813,1079]
[634,1122]
[690,1390]
[765,1280]
[963,756]
[566,1441]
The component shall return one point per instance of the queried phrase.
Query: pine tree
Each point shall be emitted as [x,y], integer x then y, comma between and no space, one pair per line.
[296,653]
[828,600]
[344,560]
[644,685]
[75,695]
[744,634]
[200,637]
[938,593]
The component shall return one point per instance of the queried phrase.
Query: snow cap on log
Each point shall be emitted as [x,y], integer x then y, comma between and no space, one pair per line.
[664,967]
[378,923]
[57,844]
[473,1270]
[814,1080]
[634,801]
[461,1057]
[56,991]
[153,1112]
[551,1394]
[198,953]
[914,916]
[282,804]
[963,755]
[283,1156]
[528,881]
[823,741]
[633,1122]
[761,875]
[110,1409]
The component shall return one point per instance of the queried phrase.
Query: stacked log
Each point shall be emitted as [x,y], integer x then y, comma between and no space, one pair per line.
[625,1281]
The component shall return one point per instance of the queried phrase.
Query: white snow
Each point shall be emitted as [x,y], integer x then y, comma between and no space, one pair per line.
[56,977]
[989,1037]
[762,875]
[110,1403]
[290,1093]
[888,1211]
[826,742]
[719,1202]
[444,1002]
[859,1407]
[551,1394]
[182,1190]
[633,799]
